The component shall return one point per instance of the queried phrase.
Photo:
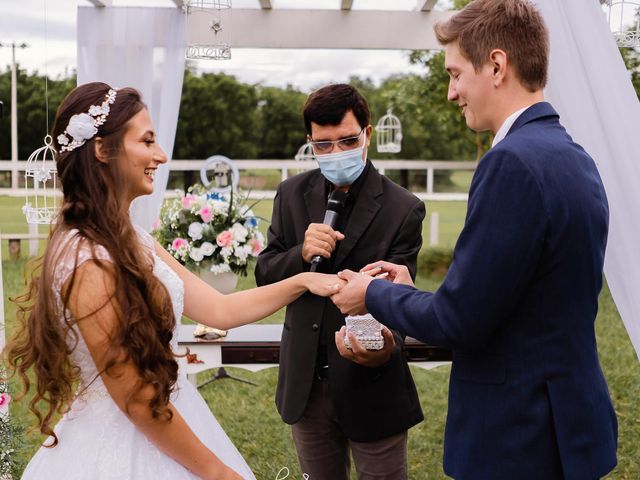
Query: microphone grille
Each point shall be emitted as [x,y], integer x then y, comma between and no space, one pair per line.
[336,200]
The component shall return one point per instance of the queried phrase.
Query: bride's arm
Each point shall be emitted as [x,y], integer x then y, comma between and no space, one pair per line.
[91,301]
[206,305]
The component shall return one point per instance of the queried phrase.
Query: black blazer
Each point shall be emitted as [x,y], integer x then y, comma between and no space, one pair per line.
[385,224]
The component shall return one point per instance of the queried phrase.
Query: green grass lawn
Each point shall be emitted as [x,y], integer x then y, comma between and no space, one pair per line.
[249,416]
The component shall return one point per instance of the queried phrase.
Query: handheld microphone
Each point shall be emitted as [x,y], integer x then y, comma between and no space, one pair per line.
[335,207]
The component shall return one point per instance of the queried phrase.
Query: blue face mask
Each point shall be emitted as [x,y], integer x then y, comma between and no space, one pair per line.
[343,168]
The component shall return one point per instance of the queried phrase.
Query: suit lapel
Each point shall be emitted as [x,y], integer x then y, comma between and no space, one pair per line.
[363,213]
[315,199]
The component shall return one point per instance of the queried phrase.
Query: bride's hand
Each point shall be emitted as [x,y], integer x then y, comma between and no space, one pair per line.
[322,284]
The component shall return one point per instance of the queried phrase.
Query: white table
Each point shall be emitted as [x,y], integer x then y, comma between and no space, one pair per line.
[256,347]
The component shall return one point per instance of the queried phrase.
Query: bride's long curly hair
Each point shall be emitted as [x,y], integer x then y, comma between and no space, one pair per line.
[95,204]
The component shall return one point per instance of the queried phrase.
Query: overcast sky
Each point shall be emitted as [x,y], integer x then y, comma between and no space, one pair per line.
[23,21]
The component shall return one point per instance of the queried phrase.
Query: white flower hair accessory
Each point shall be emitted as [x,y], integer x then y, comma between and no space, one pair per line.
[84,126]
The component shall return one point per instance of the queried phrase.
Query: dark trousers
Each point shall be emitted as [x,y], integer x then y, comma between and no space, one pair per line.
[323,450]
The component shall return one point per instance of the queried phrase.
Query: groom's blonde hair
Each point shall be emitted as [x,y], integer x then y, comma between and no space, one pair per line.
[514,26]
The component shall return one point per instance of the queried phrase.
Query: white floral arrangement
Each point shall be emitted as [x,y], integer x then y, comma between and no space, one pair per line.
[205,230]
[9,433]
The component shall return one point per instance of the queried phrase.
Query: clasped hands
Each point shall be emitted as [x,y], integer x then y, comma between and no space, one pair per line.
[350,299]
[349,293]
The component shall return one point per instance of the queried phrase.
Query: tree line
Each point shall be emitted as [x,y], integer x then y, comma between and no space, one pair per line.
[221,115]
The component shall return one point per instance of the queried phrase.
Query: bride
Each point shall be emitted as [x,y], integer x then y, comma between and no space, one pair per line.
[97,326]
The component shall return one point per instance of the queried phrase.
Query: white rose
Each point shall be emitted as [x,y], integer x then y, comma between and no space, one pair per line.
[239,232]
[81,127]
[95,110]
[226,252]
[196,254]
[207,248]
[195,230]
[242,253]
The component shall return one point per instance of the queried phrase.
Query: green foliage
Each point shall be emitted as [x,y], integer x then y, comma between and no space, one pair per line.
[32,125]
[217,117]
[434,261]
[631,57]
[280,129]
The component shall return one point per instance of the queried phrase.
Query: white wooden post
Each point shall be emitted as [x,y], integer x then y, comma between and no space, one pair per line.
[434,227]
[429,180]
[33,241]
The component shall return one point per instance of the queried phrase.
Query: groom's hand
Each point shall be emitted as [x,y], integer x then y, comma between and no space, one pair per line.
[362,356]
[393,272]
[350,299]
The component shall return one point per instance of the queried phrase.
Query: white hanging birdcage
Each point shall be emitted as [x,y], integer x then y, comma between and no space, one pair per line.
[305,152]
[41,185]
[219,48]
[389,134]
[624,21]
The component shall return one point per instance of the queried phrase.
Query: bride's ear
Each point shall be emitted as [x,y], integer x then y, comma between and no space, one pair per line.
[99,150]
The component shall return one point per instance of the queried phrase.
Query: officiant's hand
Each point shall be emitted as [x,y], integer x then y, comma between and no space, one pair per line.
[350,299]
[362,356]
[393,272]
[319,239]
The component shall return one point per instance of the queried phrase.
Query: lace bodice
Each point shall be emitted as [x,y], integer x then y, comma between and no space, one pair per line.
[91,383]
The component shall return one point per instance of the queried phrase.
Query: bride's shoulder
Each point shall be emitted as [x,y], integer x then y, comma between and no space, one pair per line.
[68,250]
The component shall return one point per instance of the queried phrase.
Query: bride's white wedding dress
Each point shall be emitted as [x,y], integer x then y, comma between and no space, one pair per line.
[96,439]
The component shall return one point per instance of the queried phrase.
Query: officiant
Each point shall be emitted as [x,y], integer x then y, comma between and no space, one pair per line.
[341,401]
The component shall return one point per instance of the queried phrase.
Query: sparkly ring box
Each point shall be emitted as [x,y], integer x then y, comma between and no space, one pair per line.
[367,330]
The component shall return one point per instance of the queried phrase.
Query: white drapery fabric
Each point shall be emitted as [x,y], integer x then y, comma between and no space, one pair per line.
[591,89]
[141,48]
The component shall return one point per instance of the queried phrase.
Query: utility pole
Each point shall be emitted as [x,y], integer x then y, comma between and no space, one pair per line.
[14,111]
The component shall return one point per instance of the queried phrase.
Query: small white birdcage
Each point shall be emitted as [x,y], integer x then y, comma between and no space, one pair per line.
[41,185]
[305,152]
[624,21]
[219,47]
[389,134]
[191,5]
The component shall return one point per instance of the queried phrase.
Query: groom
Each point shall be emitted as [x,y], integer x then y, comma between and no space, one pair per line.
[527,397]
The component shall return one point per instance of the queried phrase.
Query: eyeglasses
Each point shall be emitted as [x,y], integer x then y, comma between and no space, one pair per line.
[347,143]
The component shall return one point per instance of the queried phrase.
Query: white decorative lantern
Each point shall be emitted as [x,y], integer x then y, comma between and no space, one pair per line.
[219,48]
[389,134]
[225,175]
[624,21]
[305,152]
[41,185]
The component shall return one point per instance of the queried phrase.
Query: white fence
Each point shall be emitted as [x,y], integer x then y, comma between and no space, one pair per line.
[288,168]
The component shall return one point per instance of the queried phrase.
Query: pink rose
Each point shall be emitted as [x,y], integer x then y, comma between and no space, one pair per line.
[179,243]
[187,200]
[225,239]
[4,399]
[257,246]
[206,213]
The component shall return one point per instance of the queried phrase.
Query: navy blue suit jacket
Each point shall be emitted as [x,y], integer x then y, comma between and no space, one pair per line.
[527,397]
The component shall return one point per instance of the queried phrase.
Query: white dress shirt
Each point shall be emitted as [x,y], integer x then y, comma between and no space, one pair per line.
[506,125]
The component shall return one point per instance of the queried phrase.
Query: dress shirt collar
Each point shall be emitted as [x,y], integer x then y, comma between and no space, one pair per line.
[506,125]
